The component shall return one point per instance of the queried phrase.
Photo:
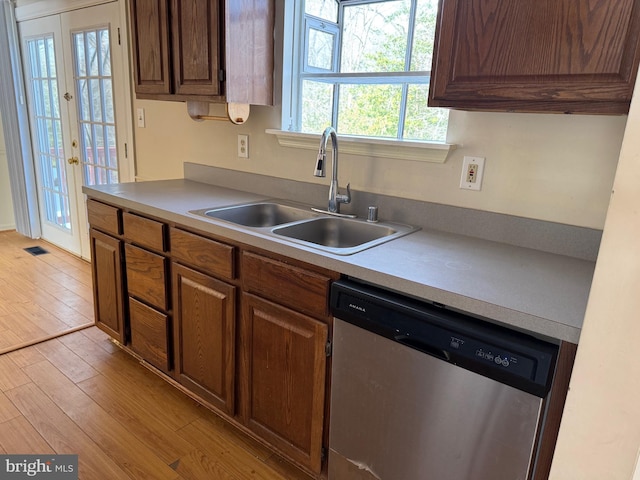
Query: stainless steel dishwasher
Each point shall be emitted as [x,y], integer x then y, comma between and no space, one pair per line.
[420,392]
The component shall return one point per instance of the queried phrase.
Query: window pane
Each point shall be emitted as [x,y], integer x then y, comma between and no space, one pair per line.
[370,110]
[375,37]
[326,9]
[92,52]
[107,87]
[87,145]
[320,49]
[423,35]
[94,91]
[317,100]
[83,107]
[422,122]
[105,53]
[110,142]
[81,61]
[51,56]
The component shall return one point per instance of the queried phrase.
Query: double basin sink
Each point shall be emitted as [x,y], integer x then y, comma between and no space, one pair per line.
[299,224]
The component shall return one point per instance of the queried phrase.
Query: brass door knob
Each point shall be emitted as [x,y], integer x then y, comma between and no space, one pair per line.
[73,161]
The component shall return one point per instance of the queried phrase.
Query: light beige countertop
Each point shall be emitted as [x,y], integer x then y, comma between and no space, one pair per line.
[539,292]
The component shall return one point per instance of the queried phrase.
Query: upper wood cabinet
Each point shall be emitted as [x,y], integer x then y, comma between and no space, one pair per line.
[569,56]
[205,50]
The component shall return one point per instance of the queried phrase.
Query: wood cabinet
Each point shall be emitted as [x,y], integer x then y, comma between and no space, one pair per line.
[243,331]
[150,334]
[204,317]
[108,289]
[569,56]
[283,389]
[176,48]
[205,336]
[147,275]
[205,50]
[284,337]
[107,264]
[150,41]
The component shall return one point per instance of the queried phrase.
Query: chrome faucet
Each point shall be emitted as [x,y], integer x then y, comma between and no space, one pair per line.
[335,198]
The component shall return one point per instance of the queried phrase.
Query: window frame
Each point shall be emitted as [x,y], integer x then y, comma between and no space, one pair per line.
[289,135]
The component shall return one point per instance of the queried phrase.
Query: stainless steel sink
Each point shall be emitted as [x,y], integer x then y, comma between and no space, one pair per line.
[299,224]
[342,236]
[266,214]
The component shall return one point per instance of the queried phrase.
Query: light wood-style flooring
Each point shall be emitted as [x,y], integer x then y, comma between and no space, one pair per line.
[40,296]
[81,394]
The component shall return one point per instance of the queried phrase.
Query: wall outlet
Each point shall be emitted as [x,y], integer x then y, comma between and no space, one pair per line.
[243,146]
[472,169]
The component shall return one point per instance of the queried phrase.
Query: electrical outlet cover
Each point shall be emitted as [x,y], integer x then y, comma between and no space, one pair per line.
[472,170]
[243,146]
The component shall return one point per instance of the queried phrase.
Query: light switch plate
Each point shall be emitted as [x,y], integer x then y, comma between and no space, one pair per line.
[140,117]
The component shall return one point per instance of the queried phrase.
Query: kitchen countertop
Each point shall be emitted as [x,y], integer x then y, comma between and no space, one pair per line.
[538,292]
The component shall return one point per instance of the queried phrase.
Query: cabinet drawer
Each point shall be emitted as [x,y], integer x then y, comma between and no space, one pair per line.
[202,253]
[150,334]
[295,287]
[143,231]
[146,276]
[104,217]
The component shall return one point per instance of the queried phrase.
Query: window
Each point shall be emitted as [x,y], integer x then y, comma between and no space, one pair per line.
[362,66]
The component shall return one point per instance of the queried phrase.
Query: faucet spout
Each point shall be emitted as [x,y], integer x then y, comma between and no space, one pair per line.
[335,198]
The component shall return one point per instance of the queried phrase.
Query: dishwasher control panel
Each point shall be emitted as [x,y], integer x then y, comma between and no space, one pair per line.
[511,357]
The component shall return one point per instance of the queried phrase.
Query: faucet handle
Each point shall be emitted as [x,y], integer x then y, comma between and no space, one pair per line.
[342,198]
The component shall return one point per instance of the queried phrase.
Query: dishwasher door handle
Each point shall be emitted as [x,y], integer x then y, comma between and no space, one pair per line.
[422,346]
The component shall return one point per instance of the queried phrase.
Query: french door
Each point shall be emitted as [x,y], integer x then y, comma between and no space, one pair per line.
[77,87]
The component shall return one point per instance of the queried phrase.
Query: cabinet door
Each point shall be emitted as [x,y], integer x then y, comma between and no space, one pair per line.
[574,56]
[204,333]
[108,289]
[283,380]
[196,47]
[150,43]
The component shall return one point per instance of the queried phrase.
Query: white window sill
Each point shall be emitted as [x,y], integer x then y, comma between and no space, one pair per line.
[370,147]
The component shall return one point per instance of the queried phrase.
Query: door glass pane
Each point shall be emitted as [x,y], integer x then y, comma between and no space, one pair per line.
[94,90]
[48,131]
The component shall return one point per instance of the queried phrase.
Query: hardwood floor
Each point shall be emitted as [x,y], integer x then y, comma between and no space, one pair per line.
[40,295]
[81,394]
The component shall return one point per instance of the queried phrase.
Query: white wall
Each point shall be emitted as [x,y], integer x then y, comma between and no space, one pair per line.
[7,221]
[552,167]
[600,431]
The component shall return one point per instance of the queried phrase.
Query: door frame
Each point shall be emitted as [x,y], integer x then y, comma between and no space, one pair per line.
[42,8]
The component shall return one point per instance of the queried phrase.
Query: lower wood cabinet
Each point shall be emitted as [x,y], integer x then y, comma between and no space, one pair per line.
[150,334]
[283,378]
[146,276]
[108,286]
[244,332]
[204,336]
